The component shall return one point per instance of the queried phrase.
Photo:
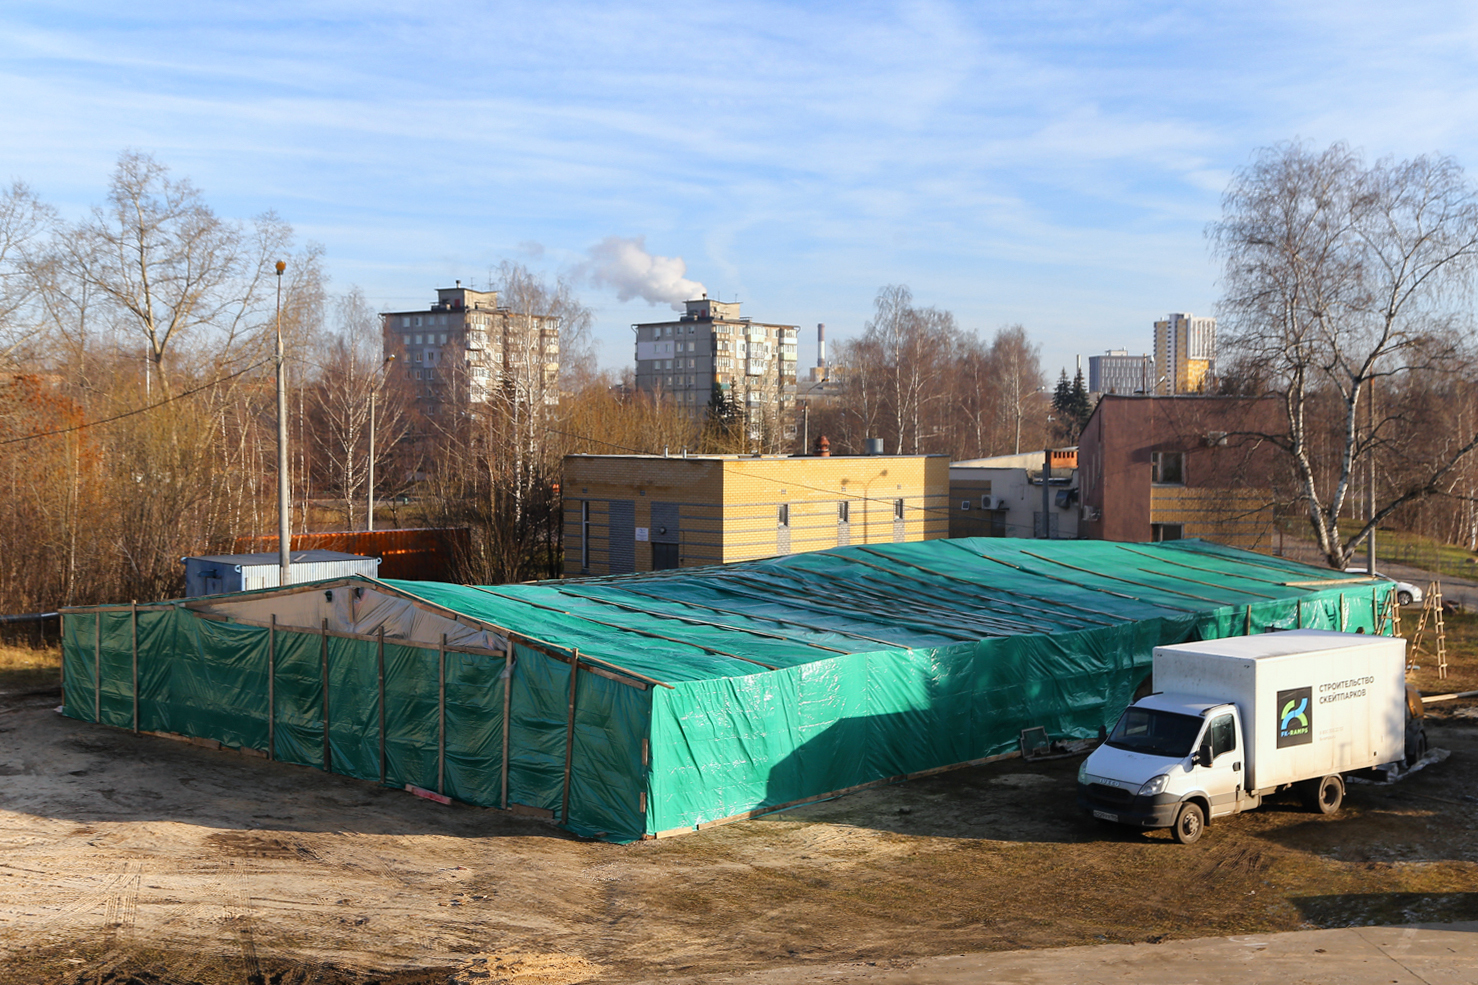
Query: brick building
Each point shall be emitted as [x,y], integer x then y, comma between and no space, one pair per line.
[1163,468]
[627,513]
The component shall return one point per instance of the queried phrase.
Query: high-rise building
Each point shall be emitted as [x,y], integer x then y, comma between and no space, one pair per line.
[1185,352]
[466,343]
[711,348]
[1118,372]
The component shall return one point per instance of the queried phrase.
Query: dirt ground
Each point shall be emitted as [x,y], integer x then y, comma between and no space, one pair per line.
[130,859]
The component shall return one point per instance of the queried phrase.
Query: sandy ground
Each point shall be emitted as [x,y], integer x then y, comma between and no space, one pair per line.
[137,859]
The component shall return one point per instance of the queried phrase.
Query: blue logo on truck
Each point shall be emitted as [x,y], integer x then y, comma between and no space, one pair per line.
[1295,717]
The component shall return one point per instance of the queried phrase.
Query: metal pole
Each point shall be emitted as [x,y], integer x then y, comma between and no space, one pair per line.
[284,500]
[1370,505]
[369,517]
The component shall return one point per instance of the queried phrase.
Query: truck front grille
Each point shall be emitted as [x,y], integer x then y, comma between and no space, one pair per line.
[1107,796]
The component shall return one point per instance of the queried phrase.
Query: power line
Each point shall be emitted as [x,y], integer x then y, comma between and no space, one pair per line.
[137,411]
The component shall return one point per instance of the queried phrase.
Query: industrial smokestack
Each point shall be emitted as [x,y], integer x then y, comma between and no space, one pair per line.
[820,346]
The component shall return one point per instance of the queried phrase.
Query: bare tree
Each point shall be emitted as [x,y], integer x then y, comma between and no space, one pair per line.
[1017,371]
[1340,279]
[23,222]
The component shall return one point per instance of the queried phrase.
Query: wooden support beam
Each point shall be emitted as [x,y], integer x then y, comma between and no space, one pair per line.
[564,811]
[272,689]
[328,755]
[508,663]
[380,676]
[441,716]
[134,620]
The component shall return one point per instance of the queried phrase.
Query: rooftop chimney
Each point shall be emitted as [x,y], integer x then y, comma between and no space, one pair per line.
[820,346]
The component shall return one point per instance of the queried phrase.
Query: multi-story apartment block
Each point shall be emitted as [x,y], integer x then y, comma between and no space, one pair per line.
[628,513]
[710,346]
[1118,372]
[466,343]
[1185,351]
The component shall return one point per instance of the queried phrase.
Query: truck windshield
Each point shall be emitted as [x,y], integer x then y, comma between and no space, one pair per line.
[1156,733]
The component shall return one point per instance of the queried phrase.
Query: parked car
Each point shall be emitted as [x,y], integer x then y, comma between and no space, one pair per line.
[1406,592]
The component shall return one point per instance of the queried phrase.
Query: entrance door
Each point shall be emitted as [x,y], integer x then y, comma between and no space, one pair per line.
[664,556]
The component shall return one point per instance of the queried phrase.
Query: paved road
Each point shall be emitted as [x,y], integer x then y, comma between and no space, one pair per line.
[1445,954]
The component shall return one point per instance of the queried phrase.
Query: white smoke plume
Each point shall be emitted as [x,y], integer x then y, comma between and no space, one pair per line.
[626,265]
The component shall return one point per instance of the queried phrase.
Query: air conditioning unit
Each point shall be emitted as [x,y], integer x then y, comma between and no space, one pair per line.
[990,503]
[1215,439]
[1089,514]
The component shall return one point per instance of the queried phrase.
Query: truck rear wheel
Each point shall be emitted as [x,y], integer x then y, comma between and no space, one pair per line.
[1325,795]
[1189,823]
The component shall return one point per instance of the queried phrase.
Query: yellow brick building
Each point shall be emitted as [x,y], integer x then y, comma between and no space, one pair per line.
[627,513]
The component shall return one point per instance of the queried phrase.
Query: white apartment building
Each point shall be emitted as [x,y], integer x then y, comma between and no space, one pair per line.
[465,343]
[711,345]
[1118,372]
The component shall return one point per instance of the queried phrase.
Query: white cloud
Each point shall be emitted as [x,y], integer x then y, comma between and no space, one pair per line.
[625,264]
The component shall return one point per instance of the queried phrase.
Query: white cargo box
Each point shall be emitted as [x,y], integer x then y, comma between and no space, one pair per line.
[1312,702]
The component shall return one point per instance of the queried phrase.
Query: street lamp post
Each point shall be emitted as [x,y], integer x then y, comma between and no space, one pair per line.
[284,502]
[369,523]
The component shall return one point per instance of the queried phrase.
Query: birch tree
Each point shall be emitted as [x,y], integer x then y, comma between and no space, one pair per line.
[1344,279]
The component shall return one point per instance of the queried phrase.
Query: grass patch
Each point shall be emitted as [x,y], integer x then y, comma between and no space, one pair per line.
[1416,550]
[25,669]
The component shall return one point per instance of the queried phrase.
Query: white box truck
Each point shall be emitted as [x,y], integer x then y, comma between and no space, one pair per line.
[1235,720]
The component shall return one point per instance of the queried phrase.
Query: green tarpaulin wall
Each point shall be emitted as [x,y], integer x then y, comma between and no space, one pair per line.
[700,694]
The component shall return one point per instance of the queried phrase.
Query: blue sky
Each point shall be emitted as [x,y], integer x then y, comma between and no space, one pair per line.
[1053,164]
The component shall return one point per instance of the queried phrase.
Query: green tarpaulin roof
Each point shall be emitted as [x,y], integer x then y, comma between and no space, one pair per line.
[739,619]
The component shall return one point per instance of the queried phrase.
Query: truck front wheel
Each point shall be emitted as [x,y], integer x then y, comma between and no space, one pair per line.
[1325,795]
[1189,823]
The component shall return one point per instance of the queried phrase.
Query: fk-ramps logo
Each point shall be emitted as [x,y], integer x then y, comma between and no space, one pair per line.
[1295,717]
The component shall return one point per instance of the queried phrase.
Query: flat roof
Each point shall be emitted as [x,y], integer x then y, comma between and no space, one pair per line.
[295,557]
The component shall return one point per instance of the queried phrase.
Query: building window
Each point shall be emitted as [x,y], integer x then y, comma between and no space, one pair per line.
[782,516]
[898,509]
[1166,531]
[405,322]
[844,511]
[405,340]
[1167,468]
[964,504]
[418,323]
[442,336]
[417,356]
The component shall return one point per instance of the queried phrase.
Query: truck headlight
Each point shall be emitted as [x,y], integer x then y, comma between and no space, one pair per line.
[1153,786]
[1083,771]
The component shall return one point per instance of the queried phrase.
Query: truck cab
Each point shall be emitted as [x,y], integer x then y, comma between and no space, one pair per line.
[1172,761]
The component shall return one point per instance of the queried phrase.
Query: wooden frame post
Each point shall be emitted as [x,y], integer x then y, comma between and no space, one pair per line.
[328,754]
[564,809]
[507,710]
[97,667]
[380,673]
[272,689]
[1248,630]
[133,612]
[441,717]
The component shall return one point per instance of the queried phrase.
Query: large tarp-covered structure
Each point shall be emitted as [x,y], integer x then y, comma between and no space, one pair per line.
[639,705]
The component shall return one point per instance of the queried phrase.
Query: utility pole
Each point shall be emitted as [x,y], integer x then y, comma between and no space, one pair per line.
[284,503]
[1046,532]
[1370,502]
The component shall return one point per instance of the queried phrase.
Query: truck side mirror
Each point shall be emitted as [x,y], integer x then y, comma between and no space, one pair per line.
[1203,754]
